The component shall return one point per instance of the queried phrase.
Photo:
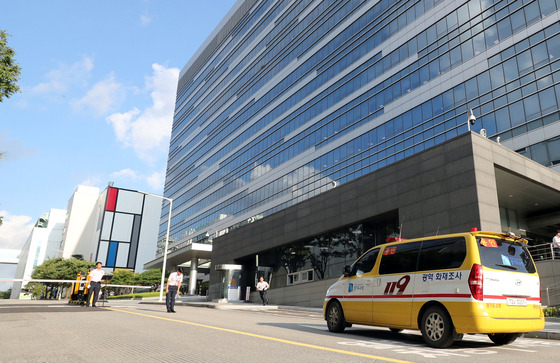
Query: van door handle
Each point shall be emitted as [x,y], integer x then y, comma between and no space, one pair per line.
[368,282]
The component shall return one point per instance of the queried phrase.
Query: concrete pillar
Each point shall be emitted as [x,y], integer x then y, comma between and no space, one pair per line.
[192,278]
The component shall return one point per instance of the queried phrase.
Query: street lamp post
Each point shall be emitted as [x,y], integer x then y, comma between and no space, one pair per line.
[170,200]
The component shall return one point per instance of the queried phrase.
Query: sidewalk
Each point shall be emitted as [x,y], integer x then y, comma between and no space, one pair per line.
[551,328]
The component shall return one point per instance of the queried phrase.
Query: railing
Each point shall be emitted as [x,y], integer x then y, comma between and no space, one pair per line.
[546,252]
[543,252]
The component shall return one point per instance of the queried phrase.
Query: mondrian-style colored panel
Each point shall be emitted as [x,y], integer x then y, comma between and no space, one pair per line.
[122,255]
[129,202]
[122,227]
[134,242]
[111,199]
[112,255]
[102,253]
[107,225]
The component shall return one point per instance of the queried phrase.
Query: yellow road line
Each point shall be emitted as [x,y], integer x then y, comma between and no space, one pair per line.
[264,337]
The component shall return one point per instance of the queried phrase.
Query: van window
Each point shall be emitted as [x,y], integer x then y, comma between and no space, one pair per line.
[443,253]
[505,255]
[365,263]
[399,258]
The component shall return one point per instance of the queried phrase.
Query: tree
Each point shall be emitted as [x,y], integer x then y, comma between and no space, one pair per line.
[122,277]
[5,294]
[324,249]
[34,288]
[9,70]
[61,269]
[150,277]
[1,217]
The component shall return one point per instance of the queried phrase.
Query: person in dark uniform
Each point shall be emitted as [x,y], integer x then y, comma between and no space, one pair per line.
[262,287]
[173,285]
[95,277]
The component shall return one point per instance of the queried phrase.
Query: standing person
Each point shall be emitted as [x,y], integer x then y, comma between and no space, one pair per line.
[556,244]
[173,285]
[262,287]
[95,277]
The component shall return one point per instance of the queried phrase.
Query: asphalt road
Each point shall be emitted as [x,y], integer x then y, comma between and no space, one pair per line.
[132,332]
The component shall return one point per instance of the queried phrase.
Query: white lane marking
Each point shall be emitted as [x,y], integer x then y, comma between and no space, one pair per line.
[516,349]
[417,349]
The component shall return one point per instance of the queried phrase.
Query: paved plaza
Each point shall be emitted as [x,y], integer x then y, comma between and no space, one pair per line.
[142,331]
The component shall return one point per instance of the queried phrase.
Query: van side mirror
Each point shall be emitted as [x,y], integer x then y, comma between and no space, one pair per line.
[346,271]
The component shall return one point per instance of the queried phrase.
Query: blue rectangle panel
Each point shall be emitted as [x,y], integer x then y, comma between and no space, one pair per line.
[112,255]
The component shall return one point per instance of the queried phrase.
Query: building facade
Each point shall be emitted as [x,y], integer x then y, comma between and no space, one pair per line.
[460,184]
[43,243]
[77,236]
[125,232]
[117,228]
[287,100]
[9,259]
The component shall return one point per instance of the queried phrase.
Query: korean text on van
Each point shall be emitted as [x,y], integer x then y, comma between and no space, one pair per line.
[444,286]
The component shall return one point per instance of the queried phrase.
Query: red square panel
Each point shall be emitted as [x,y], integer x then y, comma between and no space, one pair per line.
[111,199]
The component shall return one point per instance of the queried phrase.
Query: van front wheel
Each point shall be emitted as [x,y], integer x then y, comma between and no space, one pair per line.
[335,318]
[437,329]
[503,338]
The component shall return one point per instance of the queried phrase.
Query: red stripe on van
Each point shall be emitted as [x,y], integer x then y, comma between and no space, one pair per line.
[501,297]
[419,296]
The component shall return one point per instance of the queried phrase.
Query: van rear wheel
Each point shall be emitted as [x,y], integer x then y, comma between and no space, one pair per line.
[436,327]
[503,338]
[335,318]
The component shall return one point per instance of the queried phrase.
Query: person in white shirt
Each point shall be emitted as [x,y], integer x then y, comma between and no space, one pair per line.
[262,287]
[95,279]
[173,285]
[556,244]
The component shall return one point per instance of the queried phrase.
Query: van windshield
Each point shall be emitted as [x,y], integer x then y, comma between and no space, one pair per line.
[505,255]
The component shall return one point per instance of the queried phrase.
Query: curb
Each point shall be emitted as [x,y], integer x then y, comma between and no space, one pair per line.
[543,335]
[217,306]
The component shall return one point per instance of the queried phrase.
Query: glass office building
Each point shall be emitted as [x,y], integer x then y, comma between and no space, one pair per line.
[288,99]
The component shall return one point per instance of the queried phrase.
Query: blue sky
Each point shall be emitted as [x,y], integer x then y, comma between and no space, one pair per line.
[98,89]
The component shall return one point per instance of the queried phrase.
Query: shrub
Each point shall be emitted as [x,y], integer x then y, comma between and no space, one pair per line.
[136,295]
[553,311]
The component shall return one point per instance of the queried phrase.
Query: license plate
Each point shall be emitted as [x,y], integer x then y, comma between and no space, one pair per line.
[512,301]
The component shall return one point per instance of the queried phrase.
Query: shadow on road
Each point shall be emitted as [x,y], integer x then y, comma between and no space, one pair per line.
[382,335]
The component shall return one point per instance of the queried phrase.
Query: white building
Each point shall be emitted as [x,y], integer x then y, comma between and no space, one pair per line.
[126,228]
[79,227]
[43,243]
[118,227]
[8,263]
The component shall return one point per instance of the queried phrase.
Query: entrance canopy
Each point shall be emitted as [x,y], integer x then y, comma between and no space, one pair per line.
[200,251]
[535,205]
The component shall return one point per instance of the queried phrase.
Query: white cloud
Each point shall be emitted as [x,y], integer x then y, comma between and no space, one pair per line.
[92,182]
[156,180]
[125,174]
[13,149]
[122,124]
[145,20]
[15,230]
[147,131]
[61,79]
[102,97]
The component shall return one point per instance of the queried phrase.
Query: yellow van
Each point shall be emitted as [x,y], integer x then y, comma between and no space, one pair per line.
[444,286]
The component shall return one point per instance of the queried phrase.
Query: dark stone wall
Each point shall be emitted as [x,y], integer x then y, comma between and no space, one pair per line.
[434,191]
